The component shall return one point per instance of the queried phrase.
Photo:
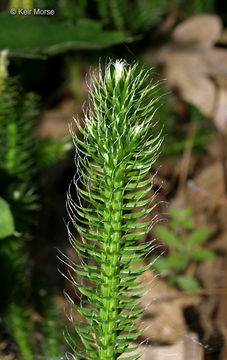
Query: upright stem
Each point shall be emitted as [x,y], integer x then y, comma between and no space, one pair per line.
[111,260]
[118,148]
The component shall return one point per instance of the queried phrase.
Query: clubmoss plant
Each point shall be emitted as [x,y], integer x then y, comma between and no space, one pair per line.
[17,113]
[119,146]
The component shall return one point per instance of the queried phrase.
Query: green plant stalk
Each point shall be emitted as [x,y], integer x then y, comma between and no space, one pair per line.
[110,270]
[119,147]
[21,326]
[16,170]
[51,345]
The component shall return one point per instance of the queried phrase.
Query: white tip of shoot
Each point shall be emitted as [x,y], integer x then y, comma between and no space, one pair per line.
[119,68]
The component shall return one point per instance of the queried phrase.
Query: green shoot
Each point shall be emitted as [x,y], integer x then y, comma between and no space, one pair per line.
[119,146]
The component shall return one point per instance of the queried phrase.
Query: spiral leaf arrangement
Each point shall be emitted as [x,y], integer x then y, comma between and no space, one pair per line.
[119,146]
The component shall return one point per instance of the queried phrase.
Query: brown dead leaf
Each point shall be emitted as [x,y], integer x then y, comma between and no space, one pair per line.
[192,65]
[204,29]
[187,348]
[220,243]
[186,72]
[163,320]
[205,195]
[55,122]
[216,62]
[212,274]
[223,38]
[221,317]
[220,112]
[67,310]
[73,292]
[7,357]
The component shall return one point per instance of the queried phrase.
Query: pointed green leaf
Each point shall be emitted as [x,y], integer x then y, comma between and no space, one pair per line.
[160,264]
[168,237]
[187,283]
[198,236]
[202,254]
[177,261]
